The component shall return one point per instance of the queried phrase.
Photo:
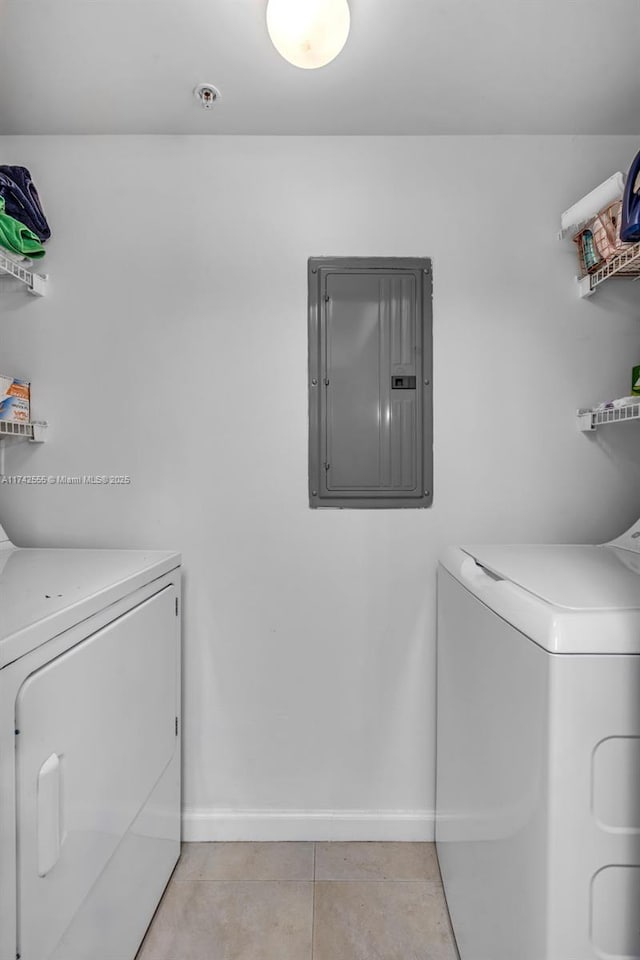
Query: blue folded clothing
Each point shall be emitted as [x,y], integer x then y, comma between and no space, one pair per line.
[22,201]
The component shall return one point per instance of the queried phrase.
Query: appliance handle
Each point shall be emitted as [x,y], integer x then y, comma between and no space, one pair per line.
[477,576]
[49,805]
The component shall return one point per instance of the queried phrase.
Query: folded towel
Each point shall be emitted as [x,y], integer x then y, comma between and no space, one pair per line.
[22,200]
[15,258]
[583,211]
[17,238]
[617,404]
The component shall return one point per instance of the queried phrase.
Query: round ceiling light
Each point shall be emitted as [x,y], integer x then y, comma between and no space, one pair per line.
[308,33]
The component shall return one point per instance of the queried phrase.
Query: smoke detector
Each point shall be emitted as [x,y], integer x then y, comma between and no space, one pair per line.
[207,94]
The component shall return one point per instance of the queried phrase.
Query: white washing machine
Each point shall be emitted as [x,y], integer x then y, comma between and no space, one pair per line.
[89,748]
[538,750]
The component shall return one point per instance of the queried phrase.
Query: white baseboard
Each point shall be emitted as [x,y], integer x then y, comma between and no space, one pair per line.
[265,825]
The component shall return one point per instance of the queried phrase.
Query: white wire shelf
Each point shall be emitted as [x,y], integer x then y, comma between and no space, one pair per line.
[36,282]
[624,264]
[589,420]
[33,431]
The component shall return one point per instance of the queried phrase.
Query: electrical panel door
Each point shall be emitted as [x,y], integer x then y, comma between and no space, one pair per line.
[370,423]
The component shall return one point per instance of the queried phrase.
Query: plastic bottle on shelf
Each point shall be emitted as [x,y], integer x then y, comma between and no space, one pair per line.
[589,255]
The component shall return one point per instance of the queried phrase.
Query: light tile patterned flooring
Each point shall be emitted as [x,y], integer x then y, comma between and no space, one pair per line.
[302,901]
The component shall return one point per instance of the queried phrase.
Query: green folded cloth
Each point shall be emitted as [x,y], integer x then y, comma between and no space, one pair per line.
[17,238]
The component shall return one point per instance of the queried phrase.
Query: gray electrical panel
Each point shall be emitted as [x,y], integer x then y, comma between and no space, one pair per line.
[370,409]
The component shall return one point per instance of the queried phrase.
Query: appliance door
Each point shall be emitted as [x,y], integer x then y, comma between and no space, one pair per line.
[97,819]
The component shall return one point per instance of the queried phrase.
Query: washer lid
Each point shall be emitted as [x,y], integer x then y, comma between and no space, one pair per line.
[567,599]
[573,577]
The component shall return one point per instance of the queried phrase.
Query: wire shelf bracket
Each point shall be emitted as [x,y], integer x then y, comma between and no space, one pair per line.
[34,432]
[36,282]
[590,420]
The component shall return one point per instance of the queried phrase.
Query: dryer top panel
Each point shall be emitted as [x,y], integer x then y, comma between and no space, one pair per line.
[46,591]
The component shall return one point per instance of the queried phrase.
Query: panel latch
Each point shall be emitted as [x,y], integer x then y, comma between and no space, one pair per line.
[403,383]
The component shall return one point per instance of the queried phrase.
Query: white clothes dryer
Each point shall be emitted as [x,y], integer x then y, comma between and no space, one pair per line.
[89,748]
[538,749]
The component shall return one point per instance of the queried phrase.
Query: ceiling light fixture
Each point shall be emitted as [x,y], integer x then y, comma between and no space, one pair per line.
[308,33]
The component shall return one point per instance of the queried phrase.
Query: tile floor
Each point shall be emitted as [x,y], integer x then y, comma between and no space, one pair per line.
[302,901]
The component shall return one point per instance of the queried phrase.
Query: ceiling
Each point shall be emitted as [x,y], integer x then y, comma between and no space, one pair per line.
[409,67]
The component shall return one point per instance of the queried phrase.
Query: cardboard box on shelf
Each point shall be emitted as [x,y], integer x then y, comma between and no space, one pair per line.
[15,397]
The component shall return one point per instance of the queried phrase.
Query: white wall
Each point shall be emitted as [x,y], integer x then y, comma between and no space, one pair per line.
[173,348]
